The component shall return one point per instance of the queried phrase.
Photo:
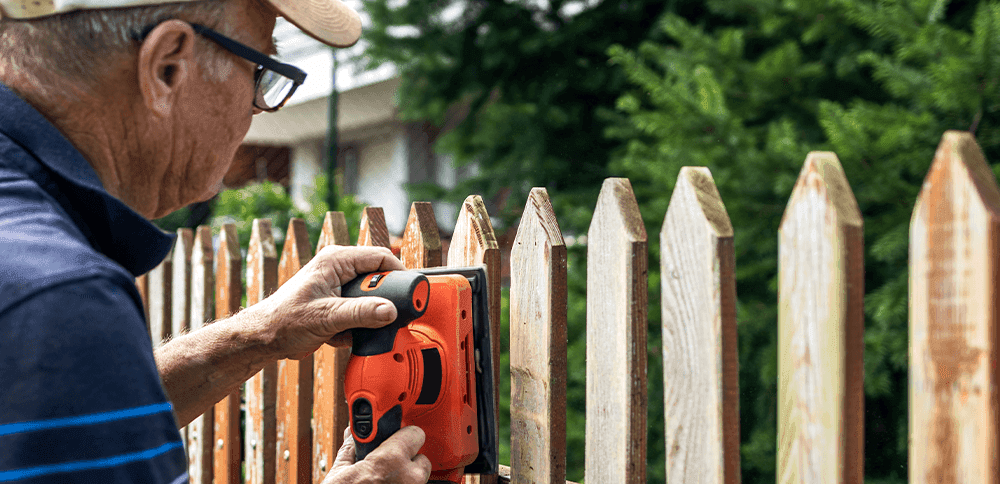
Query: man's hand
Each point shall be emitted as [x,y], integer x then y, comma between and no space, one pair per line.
[394,462]
[308,311]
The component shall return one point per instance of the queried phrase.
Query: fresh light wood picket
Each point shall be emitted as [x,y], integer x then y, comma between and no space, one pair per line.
[954,319]
[701,370]
[821,329]
[538,370]
[616,338]
[228,297]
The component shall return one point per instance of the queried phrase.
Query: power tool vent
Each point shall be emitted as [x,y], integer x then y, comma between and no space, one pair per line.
[413,362]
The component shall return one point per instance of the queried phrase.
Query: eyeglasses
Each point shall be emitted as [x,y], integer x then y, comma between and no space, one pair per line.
[274,82]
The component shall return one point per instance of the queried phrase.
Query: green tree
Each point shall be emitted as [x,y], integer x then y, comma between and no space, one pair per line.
[748,88]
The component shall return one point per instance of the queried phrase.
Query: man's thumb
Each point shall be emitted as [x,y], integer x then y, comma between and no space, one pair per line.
[361,312]
[345,456]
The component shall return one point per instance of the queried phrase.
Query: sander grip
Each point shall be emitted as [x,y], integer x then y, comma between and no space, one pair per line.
[407,290]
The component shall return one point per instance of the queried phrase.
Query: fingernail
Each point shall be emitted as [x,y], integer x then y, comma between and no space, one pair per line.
[384,312]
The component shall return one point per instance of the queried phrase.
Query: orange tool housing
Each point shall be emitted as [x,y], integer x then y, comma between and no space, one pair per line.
[430,375]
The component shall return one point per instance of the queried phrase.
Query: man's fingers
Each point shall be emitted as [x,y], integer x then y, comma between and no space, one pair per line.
[407,440]
[341,339]
[359,312]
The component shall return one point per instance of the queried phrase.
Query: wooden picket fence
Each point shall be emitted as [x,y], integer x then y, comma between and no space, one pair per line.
[954,269]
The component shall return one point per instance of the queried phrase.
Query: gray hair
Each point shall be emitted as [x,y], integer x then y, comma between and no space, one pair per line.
[77,45]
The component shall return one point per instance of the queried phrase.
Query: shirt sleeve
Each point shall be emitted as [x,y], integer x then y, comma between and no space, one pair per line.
[81,399]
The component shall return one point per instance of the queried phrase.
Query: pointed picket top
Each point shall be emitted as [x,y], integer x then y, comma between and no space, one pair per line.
[954,318]
[228,298]
[821,329]
[334,231]
[295,378]
[374,232]
[200,430]
[330,415]
[180,298]
[159,291]
[260,443]
[473,243]
[538,345]
[616,338]
[700,365]
[421,247]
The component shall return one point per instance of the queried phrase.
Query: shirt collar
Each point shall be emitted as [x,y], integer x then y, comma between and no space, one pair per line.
[112,227]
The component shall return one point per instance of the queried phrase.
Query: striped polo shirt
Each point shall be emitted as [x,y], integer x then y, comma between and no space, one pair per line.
[80,397]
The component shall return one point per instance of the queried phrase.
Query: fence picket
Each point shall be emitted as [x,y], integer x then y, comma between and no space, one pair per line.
[228,297]
[616,338]
[142,285]
[474,243]
[200,430]
[158,297]
[295,378]
[421,247]
[261,432]
[538,370]
[330,417]
[180,290]
[820,329]
[374,232]
[954,270]
[700,366]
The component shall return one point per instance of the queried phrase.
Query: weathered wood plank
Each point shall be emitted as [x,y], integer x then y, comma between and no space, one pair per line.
[954,274]
[538,346]
[474,243]
[373,231]
[200,430]
[295,378]
[142,285]
[700,365]
[261,431]
[421,246]
[228,297]
[180,298]
[330,415]
[159,291]
[821,329]
[616,338]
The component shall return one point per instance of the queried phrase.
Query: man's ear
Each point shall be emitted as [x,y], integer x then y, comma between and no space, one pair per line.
[165,63]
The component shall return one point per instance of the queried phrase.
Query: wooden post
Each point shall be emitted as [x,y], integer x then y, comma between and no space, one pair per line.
[954,274]
[373,231]
[421,247]
[295,379]
[158,297]
[261,432]
[700,365]
[228,297]
[474,243]
[821,329]
[180,290]
[616,338]
[200,435]
[142,285]
[538,346]
[330,416]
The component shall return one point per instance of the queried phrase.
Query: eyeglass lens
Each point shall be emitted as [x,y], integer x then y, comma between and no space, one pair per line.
[273,89]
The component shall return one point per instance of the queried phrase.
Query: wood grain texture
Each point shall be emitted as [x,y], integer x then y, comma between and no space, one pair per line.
[330,415]
[373,231]
[820,329]
[261,389]
[180,298]
[295,379]
[142,285]
[616,338]
[200,430]
[954,272]
[227,462]
[159,292]
[538,346]
[700,365]
[474,243]
[421,247]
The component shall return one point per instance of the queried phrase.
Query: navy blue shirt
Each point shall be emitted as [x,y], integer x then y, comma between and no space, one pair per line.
[80,397]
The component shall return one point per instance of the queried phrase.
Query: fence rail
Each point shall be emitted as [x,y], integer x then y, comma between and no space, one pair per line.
[295,414]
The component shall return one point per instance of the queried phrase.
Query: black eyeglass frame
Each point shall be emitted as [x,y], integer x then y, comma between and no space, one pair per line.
[263,61]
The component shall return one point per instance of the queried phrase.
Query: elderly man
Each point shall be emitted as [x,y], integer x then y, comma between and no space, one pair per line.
[113,112]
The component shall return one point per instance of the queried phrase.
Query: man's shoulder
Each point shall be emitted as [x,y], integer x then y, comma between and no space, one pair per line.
[41,245]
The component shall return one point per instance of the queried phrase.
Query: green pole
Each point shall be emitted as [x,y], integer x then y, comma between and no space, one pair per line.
[332,195]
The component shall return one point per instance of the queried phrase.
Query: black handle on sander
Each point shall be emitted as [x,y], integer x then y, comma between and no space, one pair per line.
[407,290]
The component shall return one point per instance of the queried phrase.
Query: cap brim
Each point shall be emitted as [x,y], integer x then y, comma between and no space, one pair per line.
[328,21]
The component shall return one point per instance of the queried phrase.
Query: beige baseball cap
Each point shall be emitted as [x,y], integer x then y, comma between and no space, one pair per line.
[329,21]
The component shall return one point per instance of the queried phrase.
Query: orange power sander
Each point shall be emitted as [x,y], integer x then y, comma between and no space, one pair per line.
[429,368]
